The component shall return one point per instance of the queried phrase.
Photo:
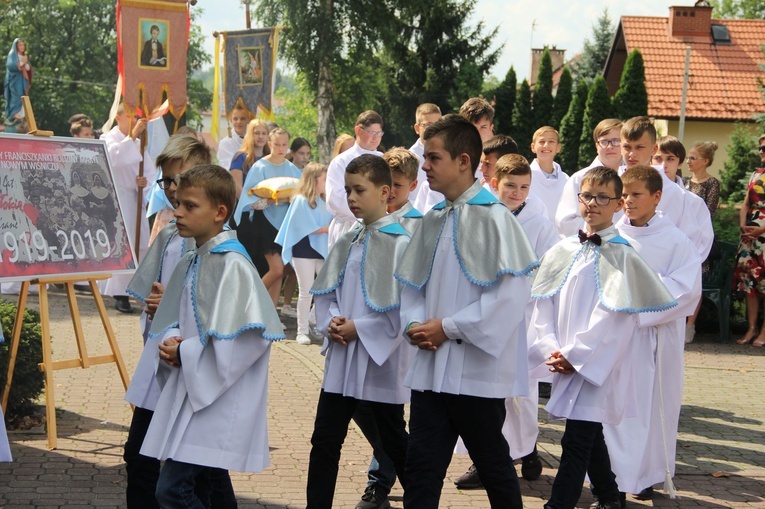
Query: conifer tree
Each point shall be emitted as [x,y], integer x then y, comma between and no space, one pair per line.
[562,98]
[523,123]
[571,129]
[543,98]
[596,49]
[742,161]
[505,103]
[598,108]
[631,100]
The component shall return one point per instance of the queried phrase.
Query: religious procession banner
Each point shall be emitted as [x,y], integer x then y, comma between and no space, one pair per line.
[248,71]
[59,212]
[152,41]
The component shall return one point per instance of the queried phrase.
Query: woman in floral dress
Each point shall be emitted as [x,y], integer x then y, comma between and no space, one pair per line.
[749,276]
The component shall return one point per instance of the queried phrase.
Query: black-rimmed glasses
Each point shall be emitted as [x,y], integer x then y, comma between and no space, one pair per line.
[166,182]
[601,199]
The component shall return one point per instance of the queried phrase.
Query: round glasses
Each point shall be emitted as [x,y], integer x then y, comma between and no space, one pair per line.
[600,199]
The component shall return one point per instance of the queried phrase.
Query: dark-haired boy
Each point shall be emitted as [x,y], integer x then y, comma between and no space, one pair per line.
[670,154]
[216,339]
[642,447]
[588,290]
[495,147]
[462,306]
[423,197]
[357,307]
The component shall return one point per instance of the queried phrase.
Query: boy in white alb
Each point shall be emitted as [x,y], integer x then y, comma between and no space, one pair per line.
[642,448]
[462,306]
[495,147]
[684,209]
[369,133]
[403,166]
[232,144]
[149,280]
[588,291]
[216,343]
[547,177]
[357,307]
[511,182]
[607,138]
[423,196]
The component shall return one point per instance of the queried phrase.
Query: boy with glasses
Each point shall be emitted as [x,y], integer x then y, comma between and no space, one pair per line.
[369,133]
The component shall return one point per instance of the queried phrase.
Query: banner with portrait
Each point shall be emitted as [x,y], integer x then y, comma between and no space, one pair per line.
[249,69]
[152,41]
[59,211]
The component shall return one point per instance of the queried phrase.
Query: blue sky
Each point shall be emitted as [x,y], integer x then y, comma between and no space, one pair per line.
[564,24]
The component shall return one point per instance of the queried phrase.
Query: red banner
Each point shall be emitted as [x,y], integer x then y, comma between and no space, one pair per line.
[152,41]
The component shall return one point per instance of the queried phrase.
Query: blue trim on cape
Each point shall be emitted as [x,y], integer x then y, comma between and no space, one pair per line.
[391,229]
[363,272]
[413,213]
[231,245]
[432,262]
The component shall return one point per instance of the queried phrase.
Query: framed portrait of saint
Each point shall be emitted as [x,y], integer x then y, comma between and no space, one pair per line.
[250,66]
[153,39]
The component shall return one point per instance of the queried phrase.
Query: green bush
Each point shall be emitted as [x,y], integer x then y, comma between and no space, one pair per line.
[28,380]
[726,225]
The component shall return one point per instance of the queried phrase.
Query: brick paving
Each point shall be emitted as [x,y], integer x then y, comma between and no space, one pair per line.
[720,451]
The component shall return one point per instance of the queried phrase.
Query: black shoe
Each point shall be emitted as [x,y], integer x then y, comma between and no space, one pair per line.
[597,505]
[616,504]
[469,480]
[374,497]
[646,494]
[122,304]
[545,388]
[531,466]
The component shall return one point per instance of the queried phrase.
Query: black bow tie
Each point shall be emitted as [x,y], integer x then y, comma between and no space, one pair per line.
[592,237]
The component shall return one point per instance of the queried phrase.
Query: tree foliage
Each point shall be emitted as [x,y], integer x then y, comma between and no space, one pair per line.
[631,100]
[543,97]
[73,49]
[562,98]
[571,129]
[596,49]
[741,162]
[408,53]
[505,102]
[598,108]
[523,126]
[741,9]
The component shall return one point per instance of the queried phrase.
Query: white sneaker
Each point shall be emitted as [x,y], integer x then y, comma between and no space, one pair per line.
[302,339]
[289,311]
[690,331]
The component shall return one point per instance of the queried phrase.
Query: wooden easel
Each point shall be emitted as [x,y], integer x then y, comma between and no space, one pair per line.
[30,116]
[48,366]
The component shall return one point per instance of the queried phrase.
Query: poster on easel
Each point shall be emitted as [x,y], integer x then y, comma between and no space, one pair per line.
[59,211]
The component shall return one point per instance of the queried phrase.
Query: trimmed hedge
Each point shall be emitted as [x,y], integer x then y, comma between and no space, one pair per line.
[28,380]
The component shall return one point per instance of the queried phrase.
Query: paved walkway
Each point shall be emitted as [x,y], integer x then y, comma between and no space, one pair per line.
[721,450]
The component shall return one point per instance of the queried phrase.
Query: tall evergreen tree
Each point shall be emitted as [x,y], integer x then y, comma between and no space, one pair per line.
[562,98]
[543,97]
[523,122]
[742,160]
[571,129]
[598,108]
[595,52]
[631,100]
[505,102]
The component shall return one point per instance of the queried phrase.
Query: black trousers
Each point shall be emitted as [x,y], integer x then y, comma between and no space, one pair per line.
[143,471]
[436,420]
[333,414]
[584,452]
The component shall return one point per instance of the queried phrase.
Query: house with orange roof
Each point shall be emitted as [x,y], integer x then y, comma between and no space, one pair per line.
[724,87]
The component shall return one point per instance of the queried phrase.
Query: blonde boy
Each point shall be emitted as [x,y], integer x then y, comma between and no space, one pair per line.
[423,197]
[549,179]
[404,166]
[607,138]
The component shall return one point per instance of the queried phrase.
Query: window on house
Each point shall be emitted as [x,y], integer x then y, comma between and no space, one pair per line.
[720,34]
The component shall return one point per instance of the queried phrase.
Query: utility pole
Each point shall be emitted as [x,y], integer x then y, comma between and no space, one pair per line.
[686,76]
[247,13]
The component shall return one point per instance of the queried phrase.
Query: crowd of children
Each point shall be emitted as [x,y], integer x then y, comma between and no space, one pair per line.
[511,273]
